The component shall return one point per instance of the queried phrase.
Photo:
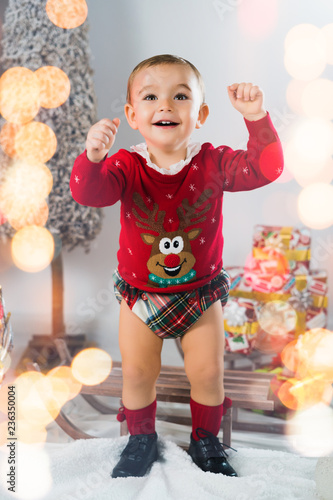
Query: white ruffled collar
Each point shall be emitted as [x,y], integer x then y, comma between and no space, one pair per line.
[192,149]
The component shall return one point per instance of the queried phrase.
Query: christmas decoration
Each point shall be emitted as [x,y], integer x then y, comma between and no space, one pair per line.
[46,86]
[240,324]
[286,296]
[278,305]
[19,95]
[67,14]
[30,43]
[275,244]
[54,86]
[32,248]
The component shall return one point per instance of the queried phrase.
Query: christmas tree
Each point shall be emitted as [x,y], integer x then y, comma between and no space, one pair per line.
[31,40]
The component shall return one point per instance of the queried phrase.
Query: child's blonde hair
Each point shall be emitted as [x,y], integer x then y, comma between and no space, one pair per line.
[164,59]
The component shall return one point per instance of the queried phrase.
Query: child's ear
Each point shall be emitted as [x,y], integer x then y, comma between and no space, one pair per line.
[202,116]
[130,115]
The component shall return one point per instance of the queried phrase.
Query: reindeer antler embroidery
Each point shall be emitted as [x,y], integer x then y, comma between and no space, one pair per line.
[150,222]
[188,215]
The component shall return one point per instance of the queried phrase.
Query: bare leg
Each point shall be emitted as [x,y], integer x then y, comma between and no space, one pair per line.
[203,347]
[141,359]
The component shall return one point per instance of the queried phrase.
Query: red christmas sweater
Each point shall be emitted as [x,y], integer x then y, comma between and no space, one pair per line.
[171,225]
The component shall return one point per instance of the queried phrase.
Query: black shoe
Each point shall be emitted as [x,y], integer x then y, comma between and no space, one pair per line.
[209,455]
[138,456]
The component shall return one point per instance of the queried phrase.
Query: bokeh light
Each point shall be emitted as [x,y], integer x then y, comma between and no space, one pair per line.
[42,399]
[32,248]
[67,14]
[268,163]
[257,18]
[35,142]
[302,31]
[304,171]
[31,215]
[294,94]
[54,86]
[313,139]
[317,99]
[24,189]
[327,32]
[287,174]
[34,480]
[91,366]
[30,432]
[64,373]
[277,317]
[19,95]
[310,432]
[298,394]
[305,52]
[315,205]
[271,343]
[286,396]
[315,349]
[7,138]
[291,359]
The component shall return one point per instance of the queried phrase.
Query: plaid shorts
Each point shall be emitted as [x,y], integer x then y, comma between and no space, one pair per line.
[170,315]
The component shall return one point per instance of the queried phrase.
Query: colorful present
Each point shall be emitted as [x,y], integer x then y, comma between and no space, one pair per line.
[306,294]
[289,298]
[292,244]
[240,324]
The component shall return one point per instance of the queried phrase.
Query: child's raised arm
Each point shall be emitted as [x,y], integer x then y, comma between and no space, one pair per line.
[100,139]
[248,99]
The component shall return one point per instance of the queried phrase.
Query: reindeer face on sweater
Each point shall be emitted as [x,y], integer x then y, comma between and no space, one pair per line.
[171,259]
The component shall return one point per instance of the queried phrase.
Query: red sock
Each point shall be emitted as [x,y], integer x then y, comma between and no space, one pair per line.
[140,421]
[207,417]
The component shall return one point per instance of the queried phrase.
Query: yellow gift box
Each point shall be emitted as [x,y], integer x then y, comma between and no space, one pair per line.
[292,243]
[306,293]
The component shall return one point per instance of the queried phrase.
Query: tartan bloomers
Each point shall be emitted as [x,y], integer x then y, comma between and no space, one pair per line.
[171,315]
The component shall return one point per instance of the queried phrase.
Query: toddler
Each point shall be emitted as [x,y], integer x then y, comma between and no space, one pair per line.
[170,281]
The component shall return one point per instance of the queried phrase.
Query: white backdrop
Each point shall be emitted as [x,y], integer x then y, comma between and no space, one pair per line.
[207,33]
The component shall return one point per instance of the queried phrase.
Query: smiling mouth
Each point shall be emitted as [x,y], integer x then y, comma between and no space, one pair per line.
[172,271]
[165,123]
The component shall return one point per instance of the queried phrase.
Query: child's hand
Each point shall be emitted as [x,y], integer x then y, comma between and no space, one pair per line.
[100,139]
[248,99]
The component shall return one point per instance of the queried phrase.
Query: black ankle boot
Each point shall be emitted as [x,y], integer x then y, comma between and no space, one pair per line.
[208,454]
[138,456]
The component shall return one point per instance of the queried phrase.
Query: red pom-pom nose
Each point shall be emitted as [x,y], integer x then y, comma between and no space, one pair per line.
[172,260]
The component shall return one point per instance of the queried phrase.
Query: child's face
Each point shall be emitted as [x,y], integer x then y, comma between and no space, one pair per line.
[166,106]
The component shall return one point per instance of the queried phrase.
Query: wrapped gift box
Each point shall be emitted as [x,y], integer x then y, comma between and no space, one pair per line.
[240,324]
[292,244]
[306,293]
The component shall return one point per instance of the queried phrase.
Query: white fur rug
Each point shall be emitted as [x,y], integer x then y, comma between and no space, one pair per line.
[80,470]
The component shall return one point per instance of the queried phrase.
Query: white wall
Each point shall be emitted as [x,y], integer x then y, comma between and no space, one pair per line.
[122,33]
